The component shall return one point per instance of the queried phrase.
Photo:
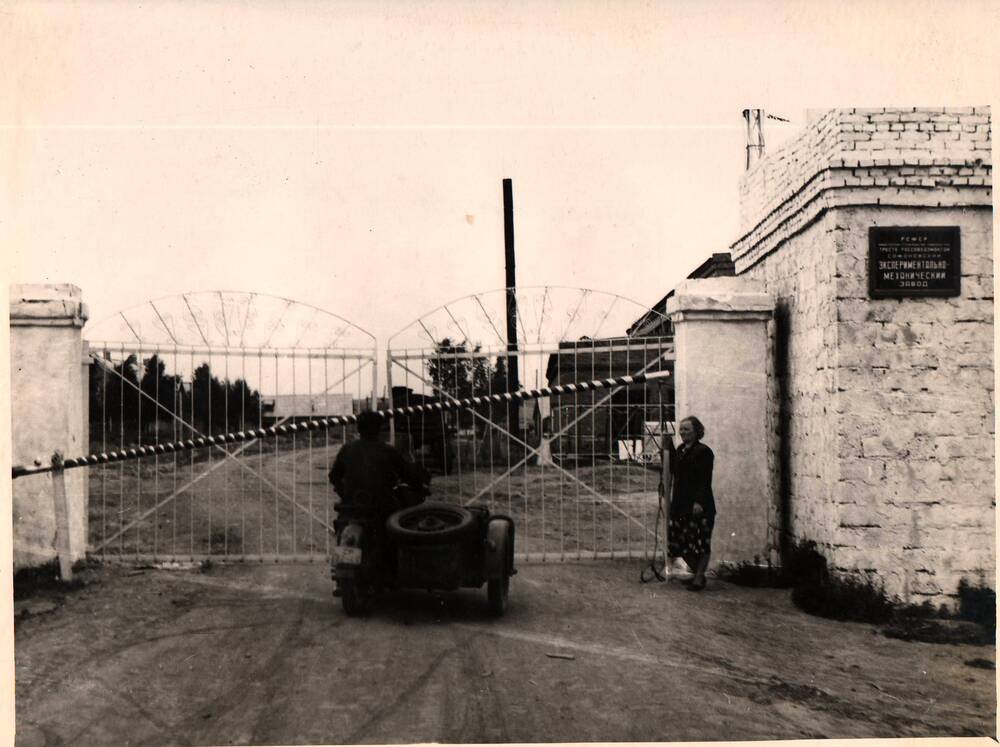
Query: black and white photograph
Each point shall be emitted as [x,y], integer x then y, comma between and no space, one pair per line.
[535,372]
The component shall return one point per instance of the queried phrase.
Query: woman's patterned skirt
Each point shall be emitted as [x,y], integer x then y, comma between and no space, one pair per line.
[690,535]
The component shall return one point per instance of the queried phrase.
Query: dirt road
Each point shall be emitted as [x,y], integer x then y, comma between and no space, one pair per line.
[264,655]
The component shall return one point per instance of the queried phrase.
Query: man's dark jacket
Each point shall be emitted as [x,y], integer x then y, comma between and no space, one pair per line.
[692,470]
[365,473]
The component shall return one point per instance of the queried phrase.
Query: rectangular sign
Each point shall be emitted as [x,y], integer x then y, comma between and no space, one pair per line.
[918,261]
[347,555]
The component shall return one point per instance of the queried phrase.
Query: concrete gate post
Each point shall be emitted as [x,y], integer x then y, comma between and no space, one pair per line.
[721,377]
[48,413]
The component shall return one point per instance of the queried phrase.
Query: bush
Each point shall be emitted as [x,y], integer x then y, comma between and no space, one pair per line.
[848,598]
[818,591]
[977,604]
[923,611]
[814,588]
[973,623]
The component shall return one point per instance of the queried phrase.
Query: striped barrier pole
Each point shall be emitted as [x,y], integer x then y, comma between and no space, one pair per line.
[138,452]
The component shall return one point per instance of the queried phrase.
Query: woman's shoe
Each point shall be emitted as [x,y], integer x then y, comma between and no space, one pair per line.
[696,585]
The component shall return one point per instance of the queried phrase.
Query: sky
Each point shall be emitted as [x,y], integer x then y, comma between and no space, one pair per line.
[350,155]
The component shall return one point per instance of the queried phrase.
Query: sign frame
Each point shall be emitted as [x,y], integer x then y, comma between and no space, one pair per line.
[948,287]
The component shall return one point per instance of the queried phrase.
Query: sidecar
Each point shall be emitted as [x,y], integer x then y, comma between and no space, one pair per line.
[443,546]
[432,546]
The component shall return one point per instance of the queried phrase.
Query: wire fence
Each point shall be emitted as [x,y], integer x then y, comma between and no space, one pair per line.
[578,471]
[125,540]
[266,497]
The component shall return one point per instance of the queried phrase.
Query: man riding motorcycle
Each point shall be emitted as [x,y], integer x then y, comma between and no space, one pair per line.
[435,546]
[365,475]
[366,471]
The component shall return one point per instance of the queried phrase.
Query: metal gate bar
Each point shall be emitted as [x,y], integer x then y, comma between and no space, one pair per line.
[141,452]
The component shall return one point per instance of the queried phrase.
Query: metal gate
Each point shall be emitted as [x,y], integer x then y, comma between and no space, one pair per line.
[578,472]
[199,364]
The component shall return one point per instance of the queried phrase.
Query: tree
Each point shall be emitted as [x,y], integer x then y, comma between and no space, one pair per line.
[223,405]
[113,402]
[159,390]
[121,403]
[456,373]
[244,406]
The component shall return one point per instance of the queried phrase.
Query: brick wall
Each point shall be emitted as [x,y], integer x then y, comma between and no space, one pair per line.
[883,409]
[940,142]
[803,386]
[915,495]
[771,180]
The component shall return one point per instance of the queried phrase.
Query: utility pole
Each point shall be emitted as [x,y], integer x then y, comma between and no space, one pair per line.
[755,136]
[511,285]
[755,133]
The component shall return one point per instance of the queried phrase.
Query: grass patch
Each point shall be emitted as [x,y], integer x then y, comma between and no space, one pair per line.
[819,591]
[38,579]
[974,621]
[981,664]
[756,575]
[938,630]
[224,541]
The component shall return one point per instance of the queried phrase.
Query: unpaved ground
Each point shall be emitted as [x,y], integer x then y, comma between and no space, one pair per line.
[271,500]
[262,654]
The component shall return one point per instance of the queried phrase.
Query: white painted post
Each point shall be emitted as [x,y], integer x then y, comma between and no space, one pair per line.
[721,378]
[48,413]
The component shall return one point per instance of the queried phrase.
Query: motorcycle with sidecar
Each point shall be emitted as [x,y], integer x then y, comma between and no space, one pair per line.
[424,545]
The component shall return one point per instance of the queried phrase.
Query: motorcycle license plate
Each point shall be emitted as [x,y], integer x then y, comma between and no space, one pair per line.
[350,555]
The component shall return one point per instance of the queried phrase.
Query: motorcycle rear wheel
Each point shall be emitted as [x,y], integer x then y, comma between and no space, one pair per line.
[357,599]
[498,594]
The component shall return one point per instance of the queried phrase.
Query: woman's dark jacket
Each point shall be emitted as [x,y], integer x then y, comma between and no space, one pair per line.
[692,470]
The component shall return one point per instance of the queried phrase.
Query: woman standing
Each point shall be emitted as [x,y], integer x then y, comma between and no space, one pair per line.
[692,505]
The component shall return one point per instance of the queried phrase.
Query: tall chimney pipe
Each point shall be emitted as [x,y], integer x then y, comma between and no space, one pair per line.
[508,237]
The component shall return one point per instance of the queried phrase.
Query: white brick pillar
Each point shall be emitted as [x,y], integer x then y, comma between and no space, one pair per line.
[721,336]
[48,413]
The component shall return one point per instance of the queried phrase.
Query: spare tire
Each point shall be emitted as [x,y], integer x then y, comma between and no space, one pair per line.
[430,524]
